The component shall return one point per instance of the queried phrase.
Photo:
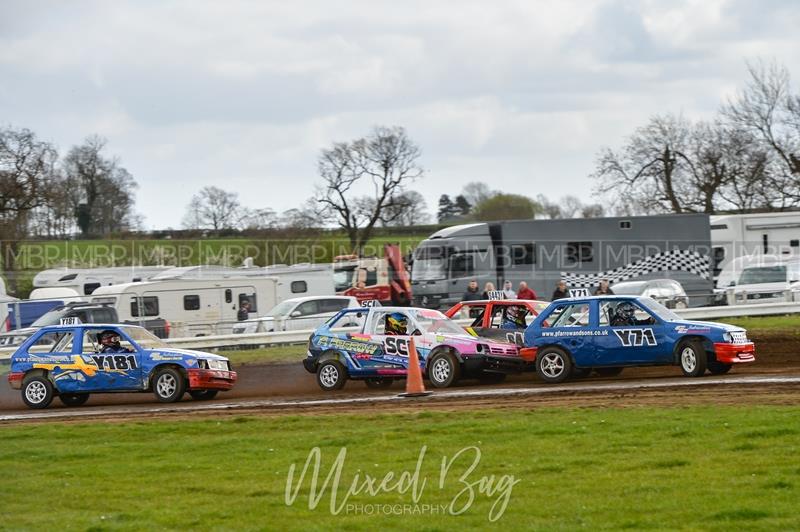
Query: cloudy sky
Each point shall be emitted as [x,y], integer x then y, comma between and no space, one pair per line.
[244,95]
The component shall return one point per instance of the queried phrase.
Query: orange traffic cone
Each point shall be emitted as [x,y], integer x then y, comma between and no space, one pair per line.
[414,386]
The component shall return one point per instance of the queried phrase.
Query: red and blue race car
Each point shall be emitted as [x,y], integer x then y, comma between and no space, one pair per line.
[73,361]
[608,333]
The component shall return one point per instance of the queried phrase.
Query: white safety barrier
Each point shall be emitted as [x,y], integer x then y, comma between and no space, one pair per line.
[298,337]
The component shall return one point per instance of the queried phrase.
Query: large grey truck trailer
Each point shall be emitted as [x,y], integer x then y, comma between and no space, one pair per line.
[582,251]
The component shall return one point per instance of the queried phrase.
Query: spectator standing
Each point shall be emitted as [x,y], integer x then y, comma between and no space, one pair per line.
[472,293]
[487,288]
[561,291]
[508,290]
[524,292]
[604,289]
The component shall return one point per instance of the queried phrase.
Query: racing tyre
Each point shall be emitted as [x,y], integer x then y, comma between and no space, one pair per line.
[203,395]
[718,368]
[73,399]
[581,373]
[553,365]
[443,370]
[331,375]
[37,391]
[490,377]
[692,358]
[378,383]
[608,372]
[169,385]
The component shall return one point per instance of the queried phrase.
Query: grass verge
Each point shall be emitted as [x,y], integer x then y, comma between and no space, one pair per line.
[787,323]
[267,355]
[634,468]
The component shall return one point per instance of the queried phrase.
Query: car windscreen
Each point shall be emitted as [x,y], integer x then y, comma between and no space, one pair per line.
[51,317]
[343,277]
[629,289]
[281,309]
[430,264]
[433,321]
[144,338]
[658,309]
[763,274]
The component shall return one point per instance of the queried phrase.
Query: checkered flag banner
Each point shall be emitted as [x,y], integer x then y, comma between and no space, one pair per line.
[675,260]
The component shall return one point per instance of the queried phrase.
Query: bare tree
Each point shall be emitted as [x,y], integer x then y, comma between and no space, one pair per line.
[384,162]
[213,208]
[650,172]
[255,219]
[409,209]
[767,109]
[101,192]
[26,170]
[477,191]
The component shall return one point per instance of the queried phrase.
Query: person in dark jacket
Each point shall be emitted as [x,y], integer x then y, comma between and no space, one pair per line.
[244,311]
[472,293]
[561,291]
[604,289]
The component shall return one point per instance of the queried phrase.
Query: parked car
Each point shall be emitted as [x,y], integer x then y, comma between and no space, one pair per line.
[68,361]
[666,291]
[609,333]
[376,355]
[297,314]
[766,279]
[84,312]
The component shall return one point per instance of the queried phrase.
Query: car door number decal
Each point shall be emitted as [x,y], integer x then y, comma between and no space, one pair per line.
[115,362]
[394,345]
[636,337]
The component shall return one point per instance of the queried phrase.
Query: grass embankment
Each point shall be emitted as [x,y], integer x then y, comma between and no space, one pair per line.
[268,355]
[638,468]
[766,325]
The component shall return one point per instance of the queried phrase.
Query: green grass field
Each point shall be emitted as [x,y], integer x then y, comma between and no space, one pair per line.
[269,355]
[789,323]
[636,468]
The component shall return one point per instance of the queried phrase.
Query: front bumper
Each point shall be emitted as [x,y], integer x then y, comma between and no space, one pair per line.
[211,379]
[735,353]
[15,379]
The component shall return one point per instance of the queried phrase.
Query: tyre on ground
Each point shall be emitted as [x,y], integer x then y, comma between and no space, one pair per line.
[169,385]
[718,368]
[331,375]
[378,383]
[37,391]
[443,370]
[692,358]
[203,395]
[553,365]
[73,399]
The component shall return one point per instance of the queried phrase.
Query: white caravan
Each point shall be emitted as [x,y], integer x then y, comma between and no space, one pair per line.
[85,280]
[190,307]
[298,280]
[751,235]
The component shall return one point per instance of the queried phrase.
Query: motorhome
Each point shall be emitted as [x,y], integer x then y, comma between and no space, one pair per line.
[580,251]
[297,280]
[85,280]
[750,235]
[190,307]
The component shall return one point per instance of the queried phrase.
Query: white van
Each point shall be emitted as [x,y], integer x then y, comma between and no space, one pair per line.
[189,307]
[766,279]
[297,314]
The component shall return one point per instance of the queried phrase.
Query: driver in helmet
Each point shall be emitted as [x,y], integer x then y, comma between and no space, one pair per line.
[514,318]
[110,342]
[625,314]
[396,324]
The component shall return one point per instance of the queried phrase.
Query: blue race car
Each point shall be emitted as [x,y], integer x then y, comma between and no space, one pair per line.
[74,361]
[607,333]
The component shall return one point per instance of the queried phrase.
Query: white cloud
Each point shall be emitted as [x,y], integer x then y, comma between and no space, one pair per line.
[245,94]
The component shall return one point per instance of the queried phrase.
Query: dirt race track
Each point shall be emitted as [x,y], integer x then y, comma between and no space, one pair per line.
[288,389]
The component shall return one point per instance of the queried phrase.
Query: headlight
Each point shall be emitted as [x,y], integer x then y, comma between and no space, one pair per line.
[217,364]
[727,337]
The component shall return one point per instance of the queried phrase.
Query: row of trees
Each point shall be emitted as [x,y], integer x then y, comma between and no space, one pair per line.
[43,194]
[745,159]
